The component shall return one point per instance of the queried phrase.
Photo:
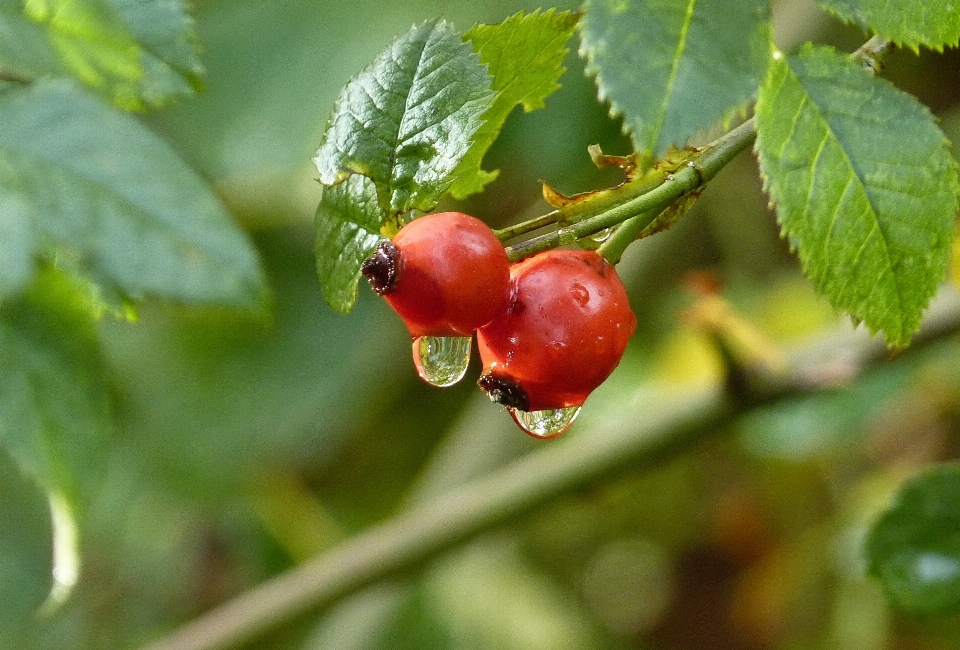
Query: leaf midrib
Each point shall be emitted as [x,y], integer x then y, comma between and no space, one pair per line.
[407,105]
[674,71]
[875,221]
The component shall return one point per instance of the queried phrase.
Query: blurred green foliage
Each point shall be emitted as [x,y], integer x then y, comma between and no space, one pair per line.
[246,442]
[913,546]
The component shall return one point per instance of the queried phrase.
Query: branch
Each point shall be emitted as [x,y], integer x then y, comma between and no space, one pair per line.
[12,77]
[582,458]
[871,54]
[701,167]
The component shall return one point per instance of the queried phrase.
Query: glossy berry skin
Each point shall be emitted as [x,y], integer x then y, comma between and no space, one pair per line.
[445,274]
[563,334]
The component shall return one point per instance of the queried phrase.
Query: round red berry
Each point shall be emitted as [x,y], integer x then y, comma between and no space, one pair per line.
[564,332]
[445,274]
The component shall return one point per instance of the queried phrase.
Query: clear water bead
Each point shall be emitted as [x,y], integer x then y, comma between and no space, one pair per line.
[441,360]
[545,424]
[602,235]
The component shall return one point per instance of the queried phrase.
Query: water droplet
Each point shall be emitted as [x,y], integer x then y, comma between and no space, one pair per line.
[602,235]
[441,360]
[545,424]
[567,236]
[579,293]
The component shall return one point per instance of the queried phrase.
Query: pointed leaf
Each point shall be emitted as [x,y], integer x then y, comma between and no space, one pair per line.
[914,548]
[408,119]
[869,208]
[164,30]
[348,221]
[933,23]
[54,408]
[673,68]
[139,53]
[524,54]
[109,199]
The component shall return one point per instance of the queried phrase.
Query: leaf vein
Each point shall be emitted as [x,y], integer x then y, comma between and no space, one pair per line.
[675,67]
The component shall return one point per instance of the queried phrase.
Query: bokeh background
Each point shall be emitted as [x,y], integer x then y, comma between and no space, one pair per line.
[248,443]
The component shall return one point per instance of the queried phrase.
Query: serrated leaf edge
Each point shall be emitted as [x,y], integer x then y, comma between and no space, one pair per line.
[615,112]
[913,45]
[908,330]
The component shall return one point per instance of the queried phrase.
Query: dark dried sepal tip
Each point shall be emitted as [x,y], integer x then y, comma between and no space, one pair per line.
[382,268]
[505,392]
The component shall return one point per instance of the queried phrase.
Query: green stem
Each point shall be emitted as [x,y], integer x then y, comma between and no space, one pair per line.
[701,167]
[872,53]
[13,77]
[612,249]
[524,227]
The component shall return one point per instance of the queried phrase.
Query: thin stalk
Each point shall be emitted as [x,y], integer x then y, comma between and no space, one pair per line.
[612,249]
[13,77]
[871,54]
[516,230]
[702,167]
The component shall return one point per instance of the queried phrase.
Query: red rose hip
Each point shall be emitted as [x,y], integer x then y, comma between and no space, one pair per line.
[445,274]
[562,335]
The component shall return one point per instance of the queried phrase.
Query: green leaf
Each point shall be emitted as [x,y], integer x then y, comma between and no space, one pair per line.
[108,199]
[933,23]
[524,55]
[164,30]
[347,229]
[54,406]
[26,549]
[869,207]
[914,547]
[672,68]
[138,53]
[408,119]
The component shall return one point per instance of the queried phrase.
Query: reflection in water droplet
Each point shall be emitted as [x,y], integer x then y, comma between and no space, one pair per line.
[936,568]
[545,424]
[579,293]
[441,360]
[602,235]
[567,236]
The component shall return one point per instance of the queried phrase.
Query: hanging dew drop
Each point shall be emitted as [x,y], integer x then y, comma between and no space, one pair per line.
[441,360]
[545,424]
